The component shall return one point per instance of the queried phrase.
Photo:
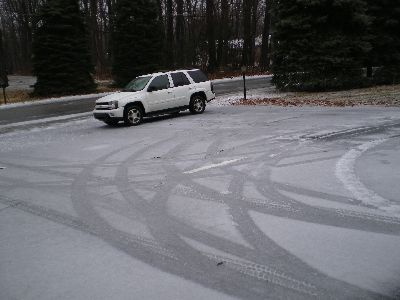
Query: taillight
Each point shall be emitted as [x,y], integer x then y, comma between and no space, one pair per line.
[212,87]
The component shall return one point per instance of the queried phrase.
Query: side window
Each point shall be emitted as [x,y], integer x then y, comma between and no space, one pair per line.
[179,79]
[159,83]
[198,76]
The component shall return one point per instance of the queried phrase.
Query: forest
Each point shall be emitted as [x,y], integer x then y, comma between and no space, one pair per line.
[187,24]
[306,44]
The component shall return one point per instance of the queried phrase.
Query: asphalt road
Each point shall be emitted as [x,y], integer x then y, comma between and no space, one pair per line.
[35,112]
[239,202]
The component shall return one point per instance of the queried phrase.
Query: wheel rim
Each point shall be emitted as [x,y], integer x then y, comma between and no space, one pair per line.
[198,105]
[134,116]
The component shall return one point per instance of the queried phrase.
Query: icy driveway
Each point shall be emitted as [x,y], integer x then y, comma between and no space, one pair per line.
[246,202]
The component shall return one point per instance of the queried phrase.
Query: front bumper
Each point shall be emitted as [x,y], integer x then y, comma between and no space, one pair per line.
[112,114]
[103,116]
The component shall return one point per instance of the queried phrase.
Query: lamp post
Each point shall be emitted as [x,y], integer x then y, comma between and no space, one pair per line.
[244,69]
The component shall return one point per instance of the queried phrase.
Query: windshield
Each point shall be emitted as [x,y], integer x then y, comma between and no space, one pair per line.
[137,84]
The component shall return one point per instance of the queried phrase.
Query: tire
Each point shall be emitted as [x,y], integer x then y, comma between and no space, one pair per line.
[197,104]
[133,115]
[111,122]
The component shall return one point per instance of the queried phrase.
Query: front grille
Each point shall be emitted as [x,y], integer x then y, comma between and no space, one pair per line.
[102,108]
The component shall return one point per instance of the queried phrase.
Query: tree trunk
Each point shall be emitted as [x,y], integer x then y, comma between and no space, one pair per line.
[223,34]
[254,20]
[246,51]
[264,61]
[169,53]
[180,34]
[212,61]
[94,41]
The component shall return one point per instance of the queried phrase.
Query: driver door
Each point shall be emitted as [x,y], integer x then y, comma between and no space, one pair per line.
[159,94]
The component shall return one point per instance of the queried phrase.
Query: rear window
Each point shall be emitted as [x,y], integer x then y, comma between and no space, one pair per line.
[198,76]
[179,79]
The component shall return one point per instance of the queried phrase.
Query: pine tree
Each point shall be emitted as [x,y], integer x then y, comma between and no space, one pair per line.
[385,40]
[61,57]
[319,44]
[137,40]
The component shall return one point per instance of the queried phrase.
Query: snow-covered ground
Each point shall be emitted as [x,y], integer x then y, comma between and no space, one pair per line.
[20,82]
[235,97]
[249,202]
[227,79]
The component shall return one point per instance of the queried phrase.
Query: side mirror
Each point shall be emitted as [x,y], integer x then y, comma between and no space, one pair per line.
[151,89]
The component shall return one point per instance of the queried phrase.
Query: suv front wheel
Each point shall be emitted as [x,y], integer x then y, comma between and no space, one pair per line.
[197,104]
[133,115]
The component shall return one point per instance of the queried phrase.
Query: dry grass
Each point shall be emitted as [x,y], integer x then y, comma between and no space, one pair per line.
[380,95]
[17,96]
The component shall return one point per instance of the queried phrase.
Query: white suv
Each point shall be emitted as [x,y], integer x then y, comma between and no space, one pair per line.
[156,94]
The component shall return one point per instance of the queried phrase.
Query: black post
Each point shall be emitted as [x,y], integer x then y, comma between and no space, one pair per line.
[4,95]
[244,85]
[3,71]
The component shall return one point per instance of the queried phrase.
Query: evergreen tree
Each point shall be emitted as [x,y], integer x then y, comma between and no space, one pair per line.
[61,60]
[137,39]
[319,44]
[385,40]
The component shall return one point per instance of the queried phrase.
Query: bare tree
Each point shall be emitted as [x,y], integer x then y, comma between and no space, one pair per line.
[212,59]
[223,34]
[180,34]
[265,55]
[205,33]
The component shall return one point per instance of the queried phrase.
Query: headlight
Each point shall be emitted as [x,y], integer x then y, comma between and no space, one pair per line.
[113,104]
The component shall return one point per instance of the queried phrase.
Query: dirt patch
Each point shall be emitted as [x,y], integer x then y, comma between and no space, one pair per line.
[381,95]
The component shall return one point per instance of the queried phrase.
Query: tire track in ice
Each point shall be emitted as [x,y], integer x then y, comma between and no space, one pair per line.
[166,229]
[264,248]
[265,273]
[82,226]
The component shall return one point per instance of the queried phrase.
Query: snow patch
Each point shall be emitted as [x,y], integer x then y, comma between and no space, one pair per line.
[346,174]
[221,164]
[235,97]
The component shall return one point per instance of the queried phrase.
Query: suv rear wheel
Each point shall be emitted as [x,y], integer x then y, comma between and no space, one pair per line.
[197,104]
[133,115]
